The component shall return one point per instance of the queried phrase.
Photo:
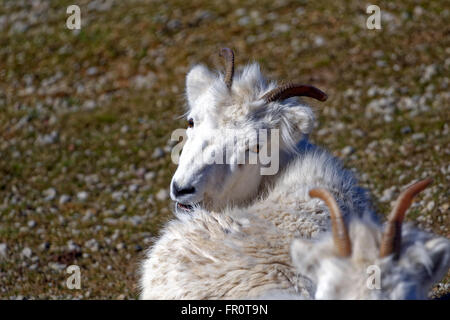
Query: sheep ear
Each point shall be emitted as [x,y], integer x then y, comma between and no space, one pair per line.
[296,121]
[439,254]
[197,81]
[304,258]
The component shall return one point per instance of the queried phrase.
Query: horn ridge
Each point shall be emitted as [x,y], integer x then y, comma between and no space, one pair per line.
[391,239]
[228,55]
[340,234]
[294,90]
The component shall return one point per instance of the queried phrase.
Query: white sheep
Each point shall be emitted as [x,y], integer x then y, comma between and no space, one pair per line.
[362,261]
[234,227]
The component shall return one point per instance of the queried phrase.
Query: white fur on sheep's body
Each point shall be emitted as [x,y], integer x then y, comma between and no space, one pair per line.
[244,252]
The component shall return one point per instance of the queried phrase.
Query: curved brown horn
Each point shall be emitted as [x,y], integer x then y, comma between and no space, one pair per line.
[392,236]
[228,55]
[294,90]
[340,234]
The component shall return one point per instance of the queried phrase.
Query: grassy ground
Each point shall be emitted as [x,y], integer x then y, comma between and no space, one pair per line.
[82,112]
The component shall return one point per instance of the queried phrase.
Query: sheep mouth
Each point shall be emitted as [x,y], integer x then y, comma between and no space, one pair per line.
[184,207]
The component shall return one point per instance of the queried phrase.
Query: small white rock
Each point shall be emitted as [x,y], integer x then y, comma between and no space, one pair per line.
[120,246]
[136,220]
[56,266]
[44,246]
[418,136]
[124,129]
[117,195]
[162,195]
[92,245]
[158,153]
[92,71]
[348,150]
[133,188]
[88,215]
[27,253]
[64,199]
[388,195]
[31,224]
[319,41]
[149,176]
[48,138]
[82,195]
[3,250]
[49,194]
[72,246]
[121,208]
[90,104]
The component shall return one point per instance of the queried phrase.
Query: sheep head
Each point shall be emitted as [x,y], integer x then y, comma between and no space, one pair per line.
[365,262]
[233,120]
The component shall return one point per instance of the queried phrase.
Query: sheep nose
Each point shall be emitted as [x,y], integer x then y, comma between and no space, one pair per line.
[178,191]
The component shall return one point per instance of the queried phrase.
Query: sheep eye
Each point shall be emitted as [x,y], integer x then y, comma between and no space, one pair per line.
[191,123]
